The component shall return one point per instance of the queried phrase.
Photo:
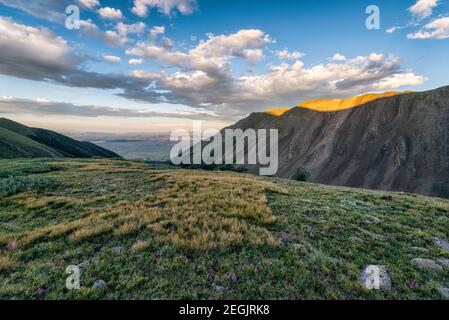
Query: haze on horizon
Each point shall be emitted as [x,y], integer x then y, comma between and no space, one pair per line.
[153,66]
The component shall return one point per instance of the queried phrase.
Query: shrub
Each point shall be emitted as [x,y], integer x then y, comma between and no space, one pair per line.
[301,175]
[13,185]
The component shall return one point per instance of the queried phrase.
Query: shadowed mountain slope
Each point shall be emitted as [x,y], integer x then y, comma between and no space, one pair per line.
[398,143]
[19,141]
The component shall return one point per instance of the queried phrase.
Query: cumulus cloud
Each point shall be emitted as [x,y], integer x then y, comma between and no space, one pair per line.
[135,61]
[437,29]
[166,7]
[110,13]
[113,38]
[156,31]
[202,77]
[112,59]
[42,107]
[423,8]
[338,57]
[51,10]
[89,4]
[285,54]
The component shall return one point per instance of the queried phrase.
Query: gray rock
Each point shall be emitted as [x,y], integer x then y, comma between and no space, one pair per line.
[219,288]
[117,250]
[444,261]
[99,284]
[369,272]
[83,265]
[441,243]
[356,239]
[445,292]
[427,263]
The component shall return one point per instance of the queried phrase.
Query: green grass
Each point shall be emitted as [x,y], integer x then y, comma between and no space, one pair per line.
[208,235]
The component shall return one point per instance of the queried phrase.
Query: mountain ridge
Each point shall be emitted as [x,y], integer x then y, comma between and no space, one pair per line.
[397,143]
[19,141]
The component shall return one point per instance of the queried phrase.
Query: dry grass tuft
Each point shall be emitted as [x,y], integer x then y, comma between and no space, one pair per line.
[196,210]
[140,245]
[5,262]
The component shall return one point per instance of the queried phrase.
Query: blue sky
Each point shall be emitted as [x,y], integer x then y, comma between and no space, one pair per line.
[155,65]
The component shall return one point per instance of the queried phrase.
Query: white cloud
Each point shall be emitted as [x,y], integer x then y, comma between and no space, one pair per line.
[135,61]
[125,29]
[113,38]
[205,78]
[90,4]
[437,29]
[166,7]
[285,54]
[156,31]
[112,59]
[110,13]
[338,57]
[20,43]
[423,8]
[392,29]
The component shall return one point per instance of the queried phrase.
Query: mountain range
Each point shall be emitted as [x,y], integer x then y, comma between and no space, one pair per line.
[19,141]
[393,142]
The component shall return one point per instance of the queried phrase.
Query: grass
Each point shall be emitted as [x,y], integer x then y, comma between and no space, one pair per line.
[217,235]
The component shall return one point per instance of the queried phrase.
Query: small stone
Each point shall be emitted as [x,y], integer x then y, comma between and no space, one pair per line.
[444,261]
[99,284]
[219,288]
[233,277]
[286,237]
[445,292]
[427,263]
[368,274]
[356,239]
[413,284]
[83,265]
[117,250]
[12,245]
[441,243]
[40,292]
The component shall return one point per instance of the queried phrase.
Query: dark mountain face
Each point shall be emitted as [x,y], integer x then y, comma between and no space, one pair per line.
[399,143]
[19,141]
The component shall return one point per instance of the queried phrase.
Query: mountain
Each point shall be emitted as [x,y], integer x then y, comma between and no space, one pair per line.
[19,141]
[398,142]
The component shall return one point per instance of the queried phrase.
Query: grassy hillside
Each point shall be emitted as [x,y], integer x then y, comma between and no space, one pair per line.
[19,141]
[163,233]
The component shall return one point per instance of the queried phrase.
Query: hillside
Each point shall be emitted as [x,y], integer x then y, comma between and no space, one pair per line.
[19,141]
[141,232]
[396,143]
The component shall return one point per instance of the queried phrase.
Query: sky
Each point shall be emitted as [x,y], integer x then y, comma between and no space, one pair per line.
[156,65]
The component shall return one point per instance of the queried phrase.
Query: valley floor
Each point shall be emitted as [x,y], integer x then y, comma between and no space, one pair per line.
[142,232]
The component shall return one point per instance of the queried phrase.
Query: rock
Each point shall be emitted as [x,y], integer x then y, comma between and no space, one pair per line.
[219,288]
[233,277]
[40,292]
[413,284]
[117,250]
[427,263]
[368,274]
[444,261]
[286,237]
[83,265]
[12,245]
[445,292]
[99,284]
[441,243]
[356,239]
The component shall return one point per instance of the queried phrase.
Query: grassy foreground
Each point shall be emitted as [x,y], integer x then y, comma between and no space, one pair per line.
[163,233]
